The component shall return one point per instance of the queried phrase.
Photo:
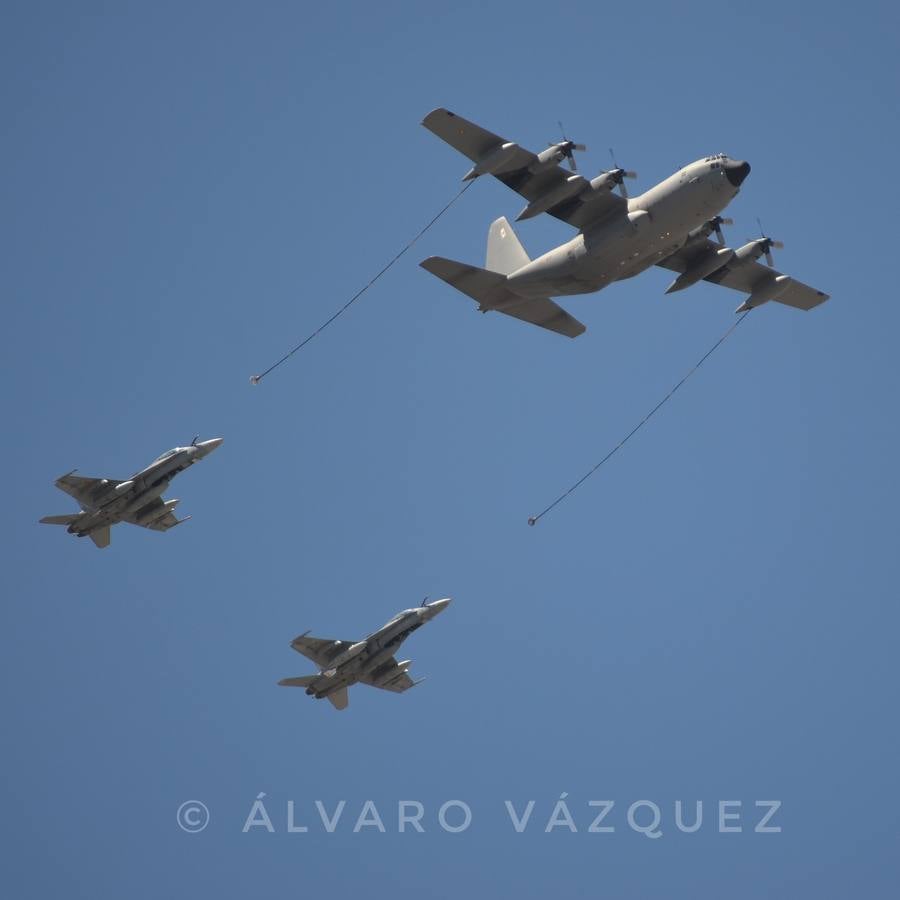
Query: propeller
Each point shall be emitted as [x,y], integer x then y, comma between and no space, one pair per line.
[568,147]
[716,224]
[619,174]
[767,244]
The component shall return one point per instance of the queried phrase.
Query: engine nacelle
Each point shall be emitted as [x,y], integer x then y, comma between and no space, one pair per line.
[573,185]
[705,266]
[604,182]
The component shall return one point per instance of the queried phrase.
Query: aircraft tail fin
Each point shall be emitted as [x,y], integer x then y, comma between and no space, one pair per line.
[490,291]
[60,520]
[299,681]
[505,253]
[339,699]
[100,536]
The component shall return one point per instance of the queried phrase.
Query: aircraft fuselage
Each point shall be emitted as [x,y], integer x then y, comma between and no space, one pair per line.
[369,657]
[656,224]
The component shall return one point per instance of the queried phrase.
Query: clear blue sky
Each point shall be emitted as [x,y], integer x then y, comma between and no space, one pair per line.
[190,188]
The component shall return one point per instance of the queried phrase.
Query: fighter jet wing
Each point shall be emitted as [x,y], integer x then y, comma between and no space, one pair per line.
[84,489]
[477,143]
[744,276]
[390,677]
[320,650]
[144,517]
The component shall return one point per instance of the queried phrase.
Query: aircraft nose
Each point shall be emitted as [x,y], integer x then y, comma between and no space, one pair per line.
[439,605]
[207,447]
[736,171]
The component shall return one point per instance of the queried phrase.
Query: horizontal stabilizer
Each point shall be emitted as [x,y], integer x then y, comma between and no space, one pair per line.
[299,681]
[339,699]
[488,288]
[60,520]
[491,292]
[100,536]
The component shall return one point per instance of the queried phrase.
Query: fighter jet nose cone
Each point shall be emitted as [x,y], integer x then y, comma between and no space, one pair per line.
[439,605]
[206,447]
[737,171]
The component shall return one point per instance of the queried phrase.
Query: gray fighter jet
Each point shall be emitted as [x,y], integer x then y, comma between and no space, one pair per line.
[618,237]
[370,661]
[106,502]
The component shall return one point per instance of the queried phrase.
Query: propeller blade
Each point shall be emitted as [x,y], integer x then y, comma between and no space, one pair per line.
[623,190]
[579,147]
[629,174]
[777,245]
[572,164]
[717,223]
[769,259]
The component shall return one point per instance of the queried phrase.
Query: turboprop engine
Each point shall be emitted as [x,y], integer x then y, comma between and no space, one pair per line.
[706,265]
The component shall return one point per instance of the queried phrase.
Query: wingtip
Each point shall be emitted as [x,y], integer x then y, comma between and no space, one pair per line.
[438,110]
[430,263]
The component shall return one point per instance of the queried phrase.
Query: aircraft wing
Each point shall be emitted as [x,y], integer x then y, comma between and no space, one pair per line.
[320,650]
[744,276]
[84,489]
[477,143]
[390,677]
[169,520]
[162,523]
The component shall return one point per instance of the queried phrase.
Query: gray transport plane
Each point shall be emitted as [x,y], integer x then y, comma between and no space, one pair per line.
[370,661]
[618,237]
[106,502]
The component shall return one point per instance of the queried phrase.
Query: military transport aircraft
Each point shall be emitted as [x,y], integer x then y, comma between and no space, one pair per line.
[106,502]
[370,661]
[669,225]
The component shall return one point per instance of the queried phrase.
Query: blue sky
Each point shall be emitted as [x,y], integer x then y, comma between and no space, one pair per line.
[191,188]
